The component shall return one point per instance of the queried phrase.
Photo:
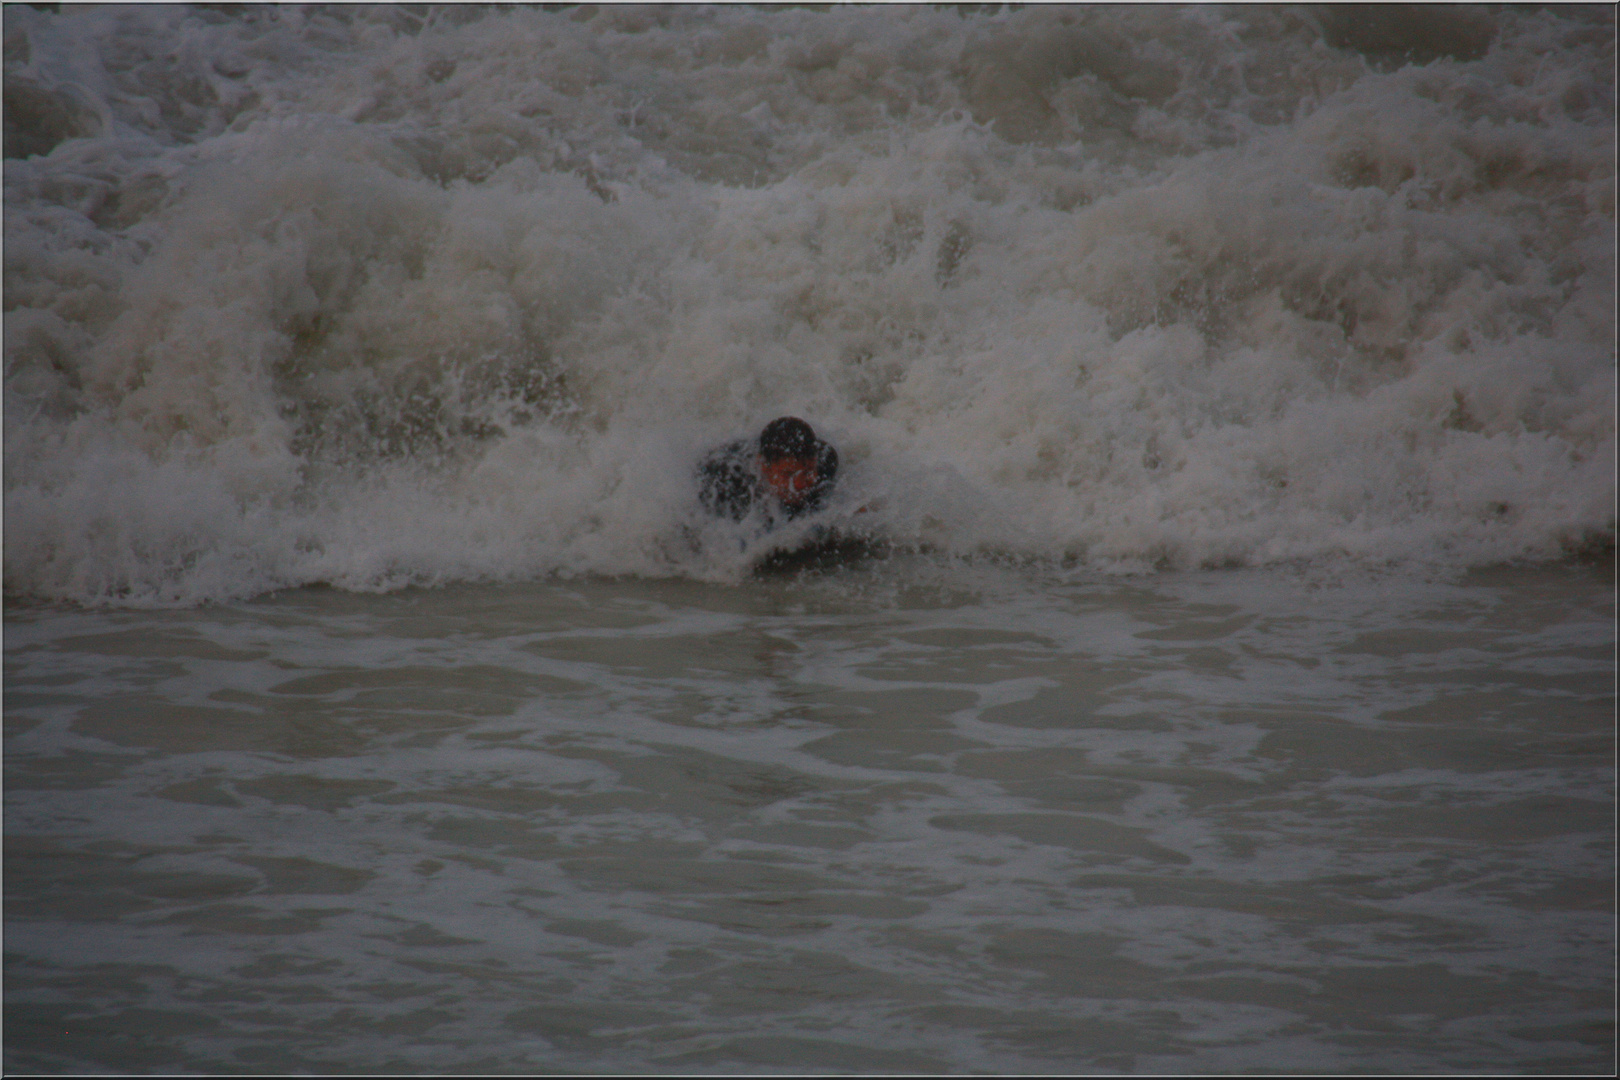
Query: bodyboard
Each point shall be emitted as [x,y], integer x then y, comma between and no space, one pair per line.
[824,550]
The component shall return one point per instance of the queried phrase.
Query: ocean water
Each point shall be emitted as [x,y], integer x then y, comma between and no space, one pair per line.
[1228,393]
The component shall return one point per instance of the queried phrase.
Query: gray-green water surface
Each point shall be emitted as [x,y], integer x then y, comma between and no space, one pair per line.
[908,818]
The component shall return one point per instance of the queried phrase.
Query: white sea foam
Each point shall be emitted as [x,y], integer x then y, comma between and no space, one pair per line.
[357,296]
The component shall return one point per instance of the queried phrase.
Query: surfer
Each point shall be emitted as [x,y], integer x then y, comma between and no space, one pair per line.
[786,471]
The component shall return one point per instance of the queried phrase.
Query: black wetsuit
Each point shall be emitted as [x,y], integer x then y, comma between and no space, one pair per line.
[730,484]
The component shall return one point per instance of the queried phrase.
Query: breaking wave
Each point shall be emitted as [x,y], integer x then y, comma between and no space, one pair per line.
[367,296]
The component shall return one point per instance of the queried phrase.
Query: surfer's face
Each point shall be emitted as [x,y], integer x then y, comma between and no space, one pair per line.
[791,478]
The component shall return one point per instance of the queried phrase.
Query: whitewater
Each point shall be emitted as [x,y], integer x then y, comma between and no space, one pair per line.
[370,297]
[1227,395]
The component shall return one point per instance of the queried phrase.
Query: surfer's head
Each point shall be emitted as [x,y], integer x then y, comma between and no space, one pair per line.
[789,459]
[787,436]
